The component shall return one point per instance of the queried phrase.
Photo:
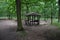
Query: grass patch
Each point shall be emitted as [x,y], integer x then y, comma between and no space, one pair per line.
[56,24]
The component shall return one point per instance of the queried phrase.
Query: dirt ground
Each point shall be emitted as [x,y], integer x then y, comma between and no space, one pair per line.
[40,32]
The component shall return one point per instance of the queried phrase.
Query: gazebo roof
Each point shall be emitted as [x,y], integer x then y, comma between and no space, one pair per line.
[33,14]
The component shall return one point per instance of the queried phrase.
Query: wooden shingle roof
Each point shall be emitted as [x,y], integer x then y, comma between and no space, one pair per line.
[33,14]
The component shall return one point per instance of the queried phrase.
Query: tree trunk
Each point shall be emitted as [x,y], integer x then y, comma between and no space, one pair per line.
[18,10]
[51,17]
[8,15]
[27,8]
[45,12]
[59,11]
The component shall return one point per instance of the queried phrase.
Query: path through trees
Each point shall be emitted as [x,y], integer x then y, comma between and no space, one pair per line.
[42,32]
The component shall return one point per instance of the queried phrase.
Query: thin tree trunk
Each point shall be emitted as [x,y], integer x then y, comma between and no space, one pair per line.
[51,17]
[45,12]
[27,8]
[52,13]
[59,11]
[18,10]
[8,15]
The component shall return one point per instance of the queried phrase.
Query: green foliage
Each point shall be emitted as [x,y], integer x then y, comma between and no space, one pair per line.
[7,7]
[43,7]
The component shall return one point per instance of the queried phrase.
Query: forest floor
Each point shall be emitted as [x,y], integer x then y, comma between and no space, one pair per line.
[40,32]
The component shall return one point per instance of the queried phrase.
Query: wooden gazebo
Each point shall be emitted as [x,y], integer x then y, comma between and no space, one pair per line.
[32,18]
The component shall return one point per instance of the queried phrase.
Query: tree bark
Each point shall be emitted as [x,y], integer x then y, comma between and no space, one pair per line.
[18,10]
